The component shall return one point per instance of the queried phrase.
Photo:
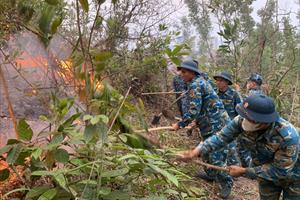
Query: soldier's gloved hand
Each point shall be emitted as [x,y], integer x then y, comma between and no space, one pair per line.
[236,171]
[175,127]
[187,155]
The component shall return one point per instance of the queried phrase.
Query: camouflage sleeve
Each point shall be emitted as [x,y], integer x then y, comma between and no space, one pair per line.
[237,98]
[222,138]
[195,105]
[284,161]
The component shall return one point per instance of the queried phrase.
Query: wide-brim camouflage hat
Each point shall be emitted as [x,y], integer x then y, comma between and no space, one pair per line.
[258,108]
[191,65]
[224,75]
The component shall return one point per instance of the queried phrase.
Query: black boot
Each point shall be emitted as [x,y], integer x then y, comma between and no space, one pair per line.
[225,189]
[203,175]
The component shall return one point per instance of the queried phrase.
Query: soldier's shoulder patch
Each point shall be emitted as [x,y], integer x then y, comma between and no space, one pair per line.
[291,150]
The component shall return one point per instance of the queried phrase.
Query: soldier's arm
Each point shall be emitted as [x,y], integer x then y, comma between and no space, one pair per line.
[222,138]
[238,98]
[284,161]
[195,104]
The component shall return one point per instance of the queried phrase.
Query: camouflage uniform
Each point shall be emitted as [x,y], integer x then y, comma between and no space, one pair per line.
[206,77]
[274,151]
[206,107]
[255,91]
[244,153]
[179,85]
[230,99]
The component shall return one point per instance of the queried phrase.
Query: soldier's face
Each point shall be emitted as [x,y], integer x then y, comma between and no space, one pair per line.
[252,126]
[251,85]
[222,84]
[187,75]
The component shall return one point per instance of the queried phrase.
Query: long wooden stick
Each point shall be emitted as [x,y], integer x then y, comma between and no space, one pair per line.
[158,93]
[155,129]
[162,128]
[10,107]
[209,166]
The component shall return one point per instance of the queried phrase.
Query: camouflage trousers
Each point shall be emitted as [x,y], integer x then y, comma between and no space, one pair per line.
[270,191]
[218,158]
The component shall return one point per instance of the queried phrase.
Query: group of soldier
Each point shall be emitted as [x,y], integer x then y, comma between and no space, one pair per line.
[245,134]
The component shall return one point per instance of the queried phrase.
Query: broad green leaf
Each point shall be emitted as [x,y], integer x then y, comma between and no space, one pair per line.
[165,173]
[87,117]
[155,197]
[85,5]
[169,52]
[128,156]
[52,2]
[48,195]
[117,195]
[71,119]
[103,118]
[61,180]
[45,22]
[5,149]
[176,60]
[14,153]
[177,49]
[115,173]
[48,173]
[21,158]
[12,141]
[4,174]
[55,24]
[43,118]
[90,132]
[105,191]
[56,141]
[35,192]
[36,153]
[171,191]
[95,120]
[102,56]
[61,155]
[24,130]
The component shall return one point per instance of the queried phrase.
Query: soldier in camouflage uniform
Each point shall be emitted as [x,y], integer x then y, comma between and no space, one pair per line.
[254,83]
[230,99]
[274,146]
[180,86]
[207,109]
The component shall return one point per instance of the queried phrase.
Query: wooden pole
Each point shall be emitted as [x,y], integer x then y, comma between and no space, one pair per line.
[209,166]
[158,93]
[10,107]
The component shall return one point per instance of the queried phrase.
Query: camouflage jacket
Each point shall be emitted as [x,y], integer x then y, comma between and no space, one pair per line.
[204,106]
[179,84]
[255,91]
[230,98]
[274,151]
